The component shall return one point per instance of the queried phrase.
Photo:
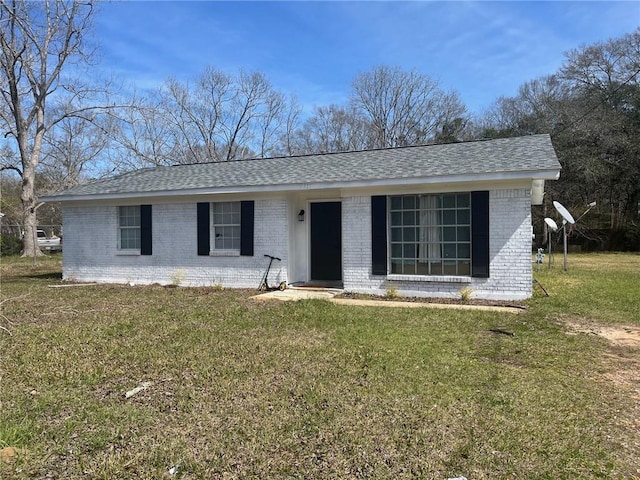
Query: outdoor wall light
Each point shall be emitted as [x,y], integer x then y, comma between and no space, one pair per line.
[301,216]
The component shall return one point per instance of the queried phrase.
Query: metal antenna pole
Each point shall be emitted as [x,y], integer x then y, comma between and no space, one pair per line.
[564,231]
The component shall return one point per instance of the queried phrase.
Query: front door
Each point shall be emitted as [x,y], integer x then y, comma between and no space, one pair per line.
[326,241]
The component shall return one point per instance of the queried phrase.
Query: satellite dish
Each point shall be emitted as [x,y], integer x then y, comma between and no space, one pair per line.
[551,224]
[564,212]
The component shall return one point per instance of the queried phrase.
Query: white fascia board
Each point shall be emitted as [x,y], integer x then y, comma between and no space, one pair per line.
[467,178]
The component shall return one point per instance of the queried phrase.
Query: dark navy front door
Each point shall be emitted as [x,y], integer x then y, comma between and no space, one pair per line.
[326,241]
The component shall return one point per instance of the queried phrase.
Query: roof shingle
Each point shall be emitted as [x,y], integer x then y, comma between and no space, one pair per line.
[507,155]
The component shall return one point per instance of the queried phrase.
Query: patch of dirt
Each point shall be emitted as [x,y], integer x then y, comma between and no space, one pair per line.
[622,370]
[618,335]
[623,353]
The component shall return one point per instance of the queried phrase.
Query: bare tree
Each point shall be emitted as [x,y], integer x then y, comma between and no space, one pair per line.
[144,135]
[332,129]
[538,108]
[290,125]
[403,108]
[219,117]
[71,150]
[38,41]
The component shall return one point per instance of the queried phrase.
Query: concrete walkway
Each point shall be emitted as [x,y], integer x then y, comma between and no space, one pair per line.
[329,294]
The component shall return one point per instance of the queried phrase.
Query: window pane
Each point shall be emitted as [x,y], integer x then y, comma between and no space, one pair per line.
[464,250]
[129,216]
[409,234]
[449,250]
[449,268]
[448,217]
[408,218]
[396,219]
[396,250]
[423,268]
[130,238]
[463,217]
[396,203]
[449,234]
[431,217]
[464,268]
[409,250]
[464,234]
[396,266]
[449,201]
[436,268]
[463,200]
[409,267]
[396,234]
[409,202]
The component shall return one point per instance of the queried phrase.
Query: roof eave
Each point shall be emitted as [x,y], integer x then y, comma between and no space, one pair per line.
[548,174]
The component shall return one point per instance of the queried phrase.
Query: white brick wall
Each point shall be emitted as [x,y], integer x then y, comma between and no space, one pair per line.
[91,253]
[510,253]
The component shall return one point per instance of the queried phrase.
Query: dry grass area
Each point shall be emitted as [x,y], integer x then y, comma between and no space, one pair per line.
[244,389]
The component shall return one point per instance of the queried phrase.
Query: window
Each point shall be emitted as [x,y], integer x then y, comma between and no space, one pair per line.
[430,234]
[129,228]
[226,225]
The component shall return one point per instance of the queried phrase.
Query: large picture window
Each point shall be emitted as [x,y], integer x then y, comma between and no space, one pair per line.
[129,228]
[226,225]
[430,234]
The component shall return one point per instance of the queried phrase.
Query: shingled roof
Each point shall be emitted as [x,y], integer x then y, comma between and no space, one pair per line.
[516,158]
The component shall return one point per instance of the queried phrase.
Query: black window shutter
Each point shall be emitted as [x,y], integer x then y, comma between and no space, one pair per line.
[246,228]
[146,240]
[204,234]
[480,234]
[379,234]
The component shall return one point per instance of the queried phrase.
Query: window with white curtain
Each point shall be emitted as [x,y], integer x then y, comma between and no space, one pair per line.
[430,234]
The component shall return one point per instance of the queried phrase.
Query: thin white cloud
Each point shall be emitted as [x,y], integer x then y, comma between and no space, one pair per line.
[314,49]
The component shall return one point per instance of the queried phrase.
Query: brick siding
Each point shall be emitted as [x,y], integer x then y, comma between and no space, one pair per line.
[91,248]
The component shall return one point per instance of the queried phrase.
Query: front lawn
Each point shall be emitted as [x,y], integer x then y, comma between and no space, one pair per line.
[245,389]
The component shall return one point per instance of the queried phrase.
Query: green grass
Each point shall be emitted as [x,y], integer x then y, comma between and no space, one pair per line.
[312,389]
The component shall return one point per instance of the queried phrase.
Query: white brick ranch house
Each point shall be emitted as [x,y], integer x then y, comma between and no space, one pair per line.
[427,220]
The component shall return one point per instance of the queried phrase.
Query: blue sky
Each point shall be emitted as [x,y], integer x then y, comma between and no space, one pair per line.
[315,49]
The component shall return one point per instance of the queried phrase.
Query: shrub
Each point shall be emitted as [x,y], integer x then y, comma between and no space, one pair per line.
[392,292]
[465,294]
[10,245]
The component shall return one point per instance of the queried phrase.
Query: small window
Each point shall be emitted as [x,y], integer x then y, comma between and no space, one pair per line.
[129,228]
[226,226]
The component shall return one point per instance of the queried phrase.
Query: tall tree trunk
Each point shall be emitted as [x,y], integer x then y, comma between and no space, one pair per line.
[28,197]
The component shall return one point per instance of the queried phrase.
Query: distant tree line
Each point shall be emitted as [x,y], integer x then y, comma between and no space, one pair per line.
[60,130]
[591,108]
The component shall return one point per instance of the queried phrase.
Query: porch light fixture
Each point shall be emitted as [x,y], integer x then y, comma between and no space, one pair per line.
[301,216]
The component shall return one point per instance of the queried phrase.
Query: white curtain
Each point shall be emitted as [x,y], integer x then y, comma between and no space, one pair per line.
[429,228]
